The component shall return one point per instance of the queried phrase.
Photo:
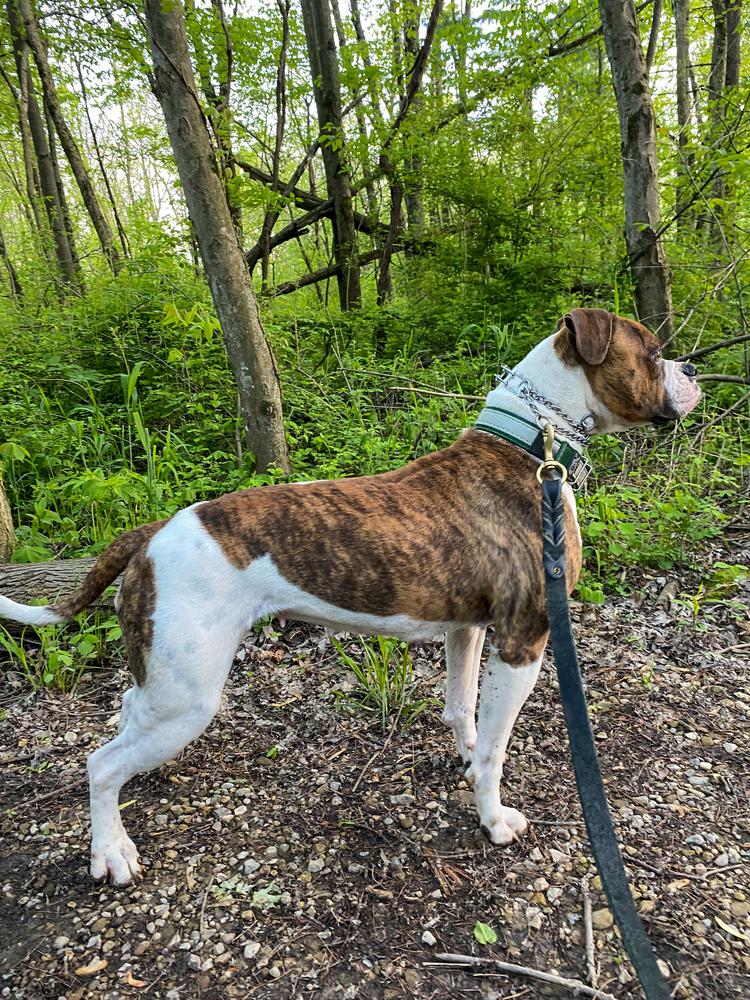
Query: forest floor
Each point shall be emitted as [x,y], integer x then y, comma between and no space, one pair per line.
[295,850]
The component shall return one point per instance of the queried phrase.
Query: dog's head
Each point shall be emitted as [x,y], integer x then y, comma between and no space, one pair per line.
[631,383]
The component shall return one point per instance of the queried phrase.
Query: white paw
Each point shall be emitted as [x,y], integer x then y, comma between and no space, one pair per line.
[505,827]
[118,860]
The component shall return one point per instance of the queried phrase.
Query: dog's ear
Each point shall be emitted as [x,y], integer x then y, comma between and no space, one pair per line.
[590,333]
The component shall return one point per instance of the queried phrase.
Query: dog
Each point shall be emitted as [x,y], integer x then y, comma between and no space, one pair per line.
[450,544]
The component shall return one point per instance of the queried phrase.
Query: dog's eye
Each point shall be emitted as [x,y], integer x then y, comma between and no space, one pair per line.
[655,357]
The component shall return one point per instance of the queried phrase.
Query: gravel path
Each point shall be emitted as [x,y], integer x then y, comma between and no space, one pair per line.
[296,850]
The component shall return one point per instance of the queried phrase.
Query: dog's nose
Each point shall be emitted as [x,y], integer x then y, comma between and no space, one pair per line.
[690,370]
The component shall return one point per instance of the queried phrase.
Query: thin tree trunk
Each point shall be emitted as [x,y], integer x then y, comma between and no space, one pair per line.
[7,535]
[653,37]
[69,145]
[102,168]
[17,290]
[45,167]
[249,353]
[272,214]
[413,163]
[31,177]
[681,9]
[321,50]
[61,196]
[648,263]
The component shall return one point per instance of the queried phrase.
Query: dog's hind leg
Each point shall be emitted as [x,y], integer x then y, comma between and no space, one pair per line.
[463,654]
[180,696]
[505,688]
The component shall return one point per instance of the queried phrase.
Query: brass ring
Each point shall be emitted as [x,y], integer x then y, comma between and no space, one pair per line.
[545,466]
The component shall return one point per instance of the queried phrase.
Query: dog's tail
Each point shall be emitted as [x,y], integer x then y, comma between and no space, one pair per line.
[110,563]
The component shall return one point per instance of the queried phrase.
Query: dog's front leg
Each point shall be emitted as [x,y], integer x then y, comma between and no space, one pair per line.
[504,690]
[463,654]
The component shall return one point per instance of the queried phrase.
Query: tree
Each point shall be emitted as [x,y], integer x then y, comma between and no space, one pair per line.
[648,263]
[67,141]
[321,49]
[44,173]
[7,535]
[250,355]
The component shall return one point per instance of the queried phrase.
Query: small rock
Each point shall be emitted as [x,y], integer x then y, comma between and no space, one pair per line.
[194,962]
[251,949]
[602,919]
[721,861]
[60,942]
[316,865]
[429,939]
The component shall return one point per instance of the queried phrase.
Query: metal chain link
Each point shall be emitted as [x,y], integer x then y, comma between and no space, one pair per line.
[578,431]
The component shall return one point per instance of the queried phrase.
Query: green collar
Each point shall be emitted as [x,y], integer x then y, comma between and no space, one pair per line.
[527,435]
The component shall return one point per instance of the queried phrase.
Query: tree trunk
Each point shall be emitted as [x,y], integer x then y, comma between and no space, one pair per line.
[249,353]
[62,200]
[413,162]
[69,145]
[321,50]
[7,535]
[722,118]
[47,181]
[17,291]
[681,9]
[648,263]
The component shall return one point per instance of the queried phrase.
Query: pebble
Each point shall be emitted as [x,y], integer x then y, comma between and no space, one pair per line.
[602,919]
[251,949]
[316,865]
[429,939]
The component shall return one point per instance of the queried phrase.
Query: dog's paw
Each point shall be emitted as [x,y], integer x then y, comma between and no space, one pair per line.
[117,860]
[505,827]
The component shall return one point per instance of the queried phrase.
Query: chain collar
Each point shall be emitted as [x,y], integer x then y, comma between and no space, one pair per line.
[578,431]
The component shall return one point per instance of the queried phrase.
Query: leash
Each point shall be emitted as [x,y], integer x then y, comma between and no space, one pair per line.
[602,838]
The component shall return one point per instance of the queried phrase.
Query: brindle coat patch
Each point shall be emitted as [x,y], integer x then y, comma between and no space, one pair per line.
[136,605]
[454,536]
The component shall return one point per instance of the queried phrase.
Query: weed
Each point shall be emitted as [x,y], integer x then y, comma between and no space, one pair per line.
[385,681]
[57,656]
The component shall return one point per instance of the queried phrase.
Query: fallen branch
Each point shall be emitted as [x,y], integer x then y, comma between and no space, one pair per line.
[521,970]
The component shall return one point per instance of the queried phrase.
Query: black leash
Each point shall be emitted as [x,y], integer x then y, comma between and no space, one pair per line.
[583,751]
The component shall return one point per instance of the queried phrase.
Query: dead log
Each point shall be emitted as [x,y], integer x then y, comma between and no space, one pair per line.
[24,582]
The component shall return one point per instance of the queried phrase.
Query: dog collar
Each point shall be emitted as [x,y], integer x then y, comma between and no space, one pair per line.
[525,434]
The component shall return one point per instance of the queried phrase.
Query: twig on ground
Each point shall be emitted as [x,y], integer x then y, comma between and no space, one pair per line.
[50,795]
[589,932]
[521,970]
[202,919]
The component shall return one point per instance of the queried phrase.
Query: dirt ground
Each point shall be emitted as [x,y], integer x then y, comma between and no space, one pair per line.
[296,850]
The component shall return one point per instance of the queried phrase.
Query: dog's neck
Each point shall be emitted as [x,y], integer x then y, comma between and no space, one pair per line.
[567,388]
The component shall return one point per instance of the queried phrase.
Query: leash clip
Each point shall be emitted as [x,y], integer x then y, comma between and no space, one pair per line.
[550,469]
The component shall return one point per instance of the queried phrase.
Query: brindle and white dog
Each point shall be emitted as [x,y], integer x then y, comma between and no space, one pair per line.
[449,544]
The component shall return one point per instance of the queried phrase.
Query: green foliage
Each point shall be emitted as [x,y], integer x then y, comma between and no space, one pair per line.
[652,524]
[385,685]
[56,656]
[484,934]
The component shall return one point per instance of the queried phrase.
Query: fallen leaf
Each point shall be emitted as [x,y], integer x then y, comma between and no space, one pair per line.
[91,970]
[130,980]
[731,929]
